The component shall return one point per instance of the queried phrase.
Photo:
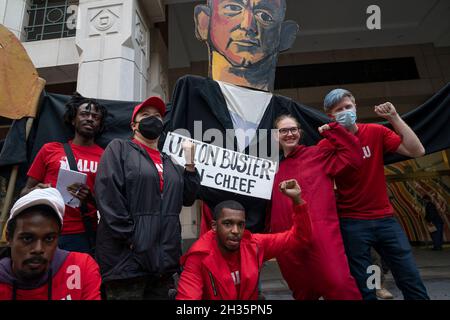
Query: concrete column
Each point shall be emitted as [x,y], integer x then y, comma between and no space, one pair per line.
[113,43]
[159,74]
[14,16]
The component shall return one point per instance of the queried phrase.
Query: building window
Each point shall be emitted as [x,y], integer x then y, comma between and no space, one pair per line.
[340,73]
[51,19]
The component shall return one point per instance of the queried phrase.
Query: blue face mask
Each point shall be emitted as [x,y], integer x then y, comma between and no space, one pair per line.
[346,118]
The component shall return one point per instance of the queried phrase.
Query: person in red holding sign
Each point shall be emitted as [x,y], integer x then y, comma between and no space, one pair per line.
[32,267]
[141,193]
[225,263]
[321,270]
[86,117]
[366,215]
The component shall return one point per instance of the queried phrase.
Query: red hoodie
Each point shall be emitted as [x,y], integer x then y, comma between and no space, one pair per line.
[206,275]
[72,276]
[314,168]
[322,270]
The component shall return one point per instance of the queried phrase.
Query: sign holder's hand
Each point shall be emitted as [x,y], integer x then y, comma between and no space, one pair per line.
[189,155]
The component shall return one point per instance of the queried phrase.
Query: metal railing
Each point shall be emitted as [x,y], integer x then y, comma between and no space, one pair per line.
[48,19]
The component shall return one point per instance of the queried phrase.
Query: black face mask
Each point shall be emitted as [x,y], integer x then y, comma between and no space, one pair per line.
[151,127]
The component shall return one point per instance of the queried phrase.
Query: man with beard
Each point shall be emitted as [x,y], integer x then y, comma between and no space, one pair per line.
[33,267]
[225,263]
[86,117]
[142,193]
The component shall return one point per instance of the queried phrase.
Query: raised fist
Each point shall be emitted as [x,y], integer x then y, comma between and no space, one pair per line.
[291,189]
[385,110]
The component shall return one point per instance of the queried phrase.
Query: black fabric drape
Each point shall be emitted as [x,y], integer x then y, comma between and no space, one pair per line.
[49,126]
[430,121]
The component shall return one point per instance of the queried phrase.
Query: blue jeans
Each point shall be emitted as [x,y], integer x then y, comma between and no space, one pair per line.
[390,241]
[74,242]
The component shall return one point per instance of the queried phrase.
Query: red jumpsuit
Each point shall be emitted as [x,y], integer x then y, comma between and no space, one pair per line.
[76,278]
[206,274]
[322,269]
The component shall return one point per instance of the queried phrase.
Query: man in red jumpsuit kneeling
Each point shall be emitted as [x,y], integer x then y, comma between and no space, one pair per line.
[225,263]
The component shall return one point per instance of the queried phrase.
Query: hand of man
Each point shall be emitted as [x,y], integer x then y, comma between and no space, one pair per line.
[386,110]
[323,128]
[291,189]
[81,192]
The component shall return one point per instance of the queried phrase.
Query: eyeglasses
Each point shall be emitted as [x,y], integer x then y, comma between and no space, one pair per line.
[285,131]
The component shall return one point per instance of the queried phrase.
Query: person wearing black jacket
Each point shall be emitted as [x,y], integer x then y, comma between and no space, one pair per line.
[140,196]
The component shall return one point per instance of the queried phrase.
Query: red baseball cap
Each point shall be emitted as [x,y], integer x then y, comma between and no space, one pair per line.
[155,102]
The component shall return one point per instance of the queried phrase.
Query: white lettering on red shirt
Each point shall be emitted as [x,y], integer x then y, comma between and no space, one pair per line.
[45,169]
[366,152]
[74,278]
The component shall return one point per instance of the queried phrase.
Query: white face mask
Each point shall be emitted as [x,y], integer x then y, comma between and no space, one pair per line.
[346,118]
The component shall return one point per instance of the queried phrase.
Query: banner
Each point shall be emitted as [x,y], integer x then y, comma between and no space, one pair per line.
[20,85]
[225,169]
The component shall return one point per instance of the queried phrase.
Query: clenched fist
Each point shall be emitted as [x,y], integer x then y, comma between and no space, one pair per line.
[385,110]
[291,189]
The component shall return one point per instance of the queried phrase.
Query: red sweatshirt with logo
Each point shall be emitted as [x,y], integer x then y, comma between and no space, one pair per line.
[71,276]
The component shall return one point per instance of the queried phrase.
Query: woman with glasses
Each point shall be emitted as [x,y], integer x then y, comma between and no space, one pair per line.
[321,270]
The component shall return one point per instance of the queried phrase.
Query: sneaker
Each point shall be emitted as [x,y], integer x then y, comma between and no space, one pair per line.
[384,294]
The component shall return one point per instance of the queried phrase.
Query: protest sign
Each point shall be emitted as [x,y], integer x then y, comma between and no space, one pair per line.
[226,169]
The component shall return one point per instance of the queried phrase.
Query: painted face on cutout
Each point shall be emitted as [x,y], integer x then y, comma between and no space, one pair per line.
[246,32]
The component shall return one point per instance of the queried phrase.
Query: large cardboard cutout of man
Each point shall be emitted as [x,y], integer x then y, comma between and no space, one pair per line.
[244,38]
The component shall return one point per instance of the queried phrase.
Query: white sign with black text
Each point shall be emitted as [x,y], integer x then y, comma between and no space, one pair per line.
[225,169]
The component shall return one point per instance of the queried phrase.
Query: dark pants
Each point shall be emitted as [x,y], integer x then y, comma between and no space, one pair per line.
[142,288]
[438,236]
[389,240]
[74,242]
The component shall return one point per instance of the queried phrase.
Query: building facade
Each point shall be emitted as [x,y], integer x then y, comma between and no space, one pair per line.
[131,49]
[103,49]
